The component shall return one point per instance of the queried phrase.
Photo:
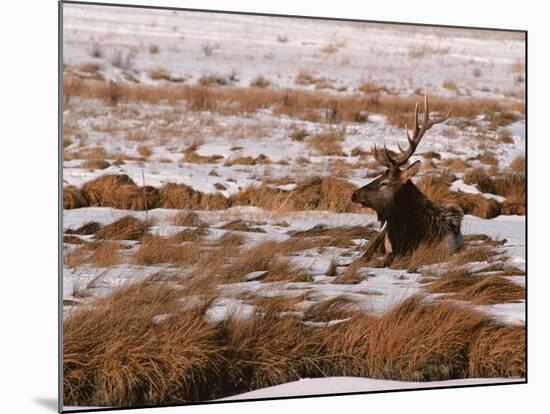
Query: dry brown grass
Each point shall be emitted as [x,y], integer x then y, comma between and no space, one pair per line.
[159,74]
[327,143]
[491,290]
[155,250]
[312,106]
[240,225]
[369,87]
[125,228]
[144,151]
[315,194]
[334,236]
[518,164]
[498,351]
[89,67]
[73,197]
[259,82]
[338,307]
[461,284]
[119,191]
[351,274]
[248,160]
[186,218]
[95,164]
[115,355]
[481,179]
[195,360]
[184,197]
[511,185]
[230,240]
[487,157]
[327,193]
[88,228]
[213,80]
[450,85]
[437,190]
[91,153]
[264,256]
[332,269]
[455,164]
[425,254]
[99,254]
[190,155]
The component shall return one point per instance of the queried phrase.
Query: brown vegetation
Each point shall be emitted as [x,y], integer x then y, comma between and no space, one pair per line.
[327,143]
[95,164]
[312,106]
[327,193]
[125,228]
[108,347]
[99,254]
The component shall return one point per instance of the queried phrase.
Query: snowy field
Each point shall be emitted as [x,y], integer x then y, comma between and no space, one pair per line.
[217,152]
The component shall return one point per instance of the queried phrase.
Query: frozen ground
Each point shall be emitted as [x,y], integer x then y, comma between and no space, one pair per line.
[375,293]
[343,53]
[341,56]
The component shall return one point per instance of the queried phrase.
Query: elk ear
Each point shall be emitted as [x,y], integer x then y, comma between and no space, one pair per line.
[410,172]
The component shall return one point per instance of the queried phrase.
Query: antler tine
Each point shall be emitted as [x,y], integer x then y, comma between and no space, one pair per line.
[418,132]
[384,157]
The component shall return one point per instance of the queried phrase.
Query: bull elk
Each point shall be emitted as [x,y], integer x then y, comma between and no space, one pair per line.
[410,218]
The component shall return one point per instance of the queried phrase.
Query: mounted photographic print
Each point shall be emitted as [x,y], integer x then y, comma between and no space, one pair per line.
[261,206]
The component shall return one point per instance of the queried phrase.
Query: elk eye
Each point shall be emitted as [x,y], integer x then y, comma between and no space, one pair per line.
[383,184]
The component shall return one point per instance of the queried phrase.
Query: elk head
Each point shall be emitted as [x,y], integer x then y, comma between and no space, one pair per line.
[380,193]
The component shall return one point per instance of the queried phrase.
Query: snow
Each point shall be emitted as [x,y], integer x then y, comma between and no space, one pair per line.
[460,186]
[340,385]
[249,46]
[223,308]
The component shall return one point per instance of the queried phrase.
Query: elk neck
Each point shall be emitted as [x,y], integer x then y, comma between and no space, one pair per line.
[405,222]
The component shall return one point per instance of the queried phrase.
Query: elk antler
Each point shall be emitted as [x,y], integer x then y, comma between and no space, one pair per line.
[383,156]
